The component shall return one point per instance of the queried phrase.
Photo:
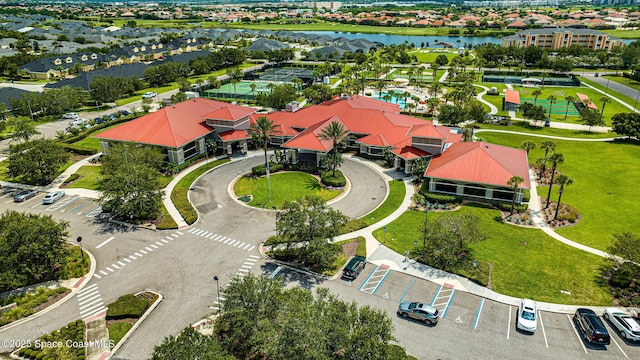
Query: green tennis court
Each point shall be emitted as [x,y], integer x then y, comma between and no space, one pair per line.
[285,74]
[242,90]
[558,107]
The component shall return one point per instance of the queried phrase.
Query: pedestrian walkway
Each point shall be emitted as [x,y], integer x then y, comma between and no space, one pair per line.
[444,76]
[493,109]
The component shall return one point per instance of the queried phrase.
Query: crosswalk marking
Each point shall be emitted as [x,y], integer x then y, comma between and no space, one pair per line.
[153,246]
[144,252]
[127,260]
[110,269]
[137,254]
[121,263]
[253,247]
[104,273]
[97,276]
[133,257]
[148,248]
[90,301]
[115,266]
[159,243]
[164,241]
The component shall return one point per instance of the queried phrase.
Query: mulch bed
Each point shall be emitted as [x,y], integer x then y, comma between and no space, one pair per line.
[52,300]
[349,249]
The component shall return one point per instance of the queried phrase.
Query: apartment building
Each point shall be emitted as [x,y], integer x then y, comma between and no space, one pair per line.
[554,38]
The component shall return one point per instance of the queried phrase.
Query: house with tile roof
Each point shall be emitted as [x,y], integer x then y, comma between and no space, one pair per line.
[478,170]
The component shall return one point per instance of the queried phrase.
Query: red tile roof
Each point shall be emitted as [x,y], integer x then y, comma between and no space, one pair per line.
[480,162]
[512,96]
[171,126]
[585,99]
[230,112]
[234,135]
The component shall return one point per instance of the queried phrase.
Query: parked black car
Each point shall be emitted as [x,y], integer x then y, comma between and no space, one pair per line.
[591,327]
[353,268]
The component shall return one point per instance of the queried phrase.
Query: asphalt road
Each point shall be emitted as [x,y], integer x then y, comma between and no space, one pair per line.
[616,87]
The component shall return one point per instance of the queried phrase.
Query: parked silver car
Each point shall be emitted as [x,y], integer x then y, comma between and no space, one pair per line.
[627,325]
[24,195]
[52,197]
[418,311]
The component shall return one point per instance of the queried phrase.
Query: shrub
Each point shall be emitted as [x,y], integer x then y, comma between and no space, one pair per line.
[80,150]
[261,170]
[519,208]
[329,179]
[354,225]
[72,178]
[442,198]
[127,306]
[623,276]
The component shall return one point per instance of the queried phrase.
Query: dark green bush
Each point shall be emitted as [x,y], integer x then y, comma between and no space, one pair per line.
[353,225]
[72,178]
[80,150]
[442,198]
[329,179]
[127,306]
[261,170]
[505,206]
[623,276]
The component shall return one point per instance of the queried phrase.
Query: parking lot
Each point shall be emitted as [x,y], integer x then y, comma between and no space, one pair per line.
[69,205]
[470,327]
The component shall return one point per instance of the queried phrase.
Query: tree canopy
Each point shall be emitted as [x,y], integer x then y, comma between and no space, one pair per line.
[32,248]
[448,239]
[37,162]
[627,124]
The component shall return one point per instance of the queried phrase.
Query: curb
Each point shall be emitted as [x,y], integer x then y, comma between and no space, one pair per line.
[135,326]
[74,289]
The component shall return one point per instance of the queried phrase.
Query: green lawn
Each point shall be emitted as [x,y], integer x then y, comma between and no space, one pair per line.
[624,34]
[559,107]
[180,193]
[625,81]
[428,57]
[526,262]
[91,142]
[89,175]
[118,330]
[624,98]
[397,191]
[541,130]
[287,186]
[604,191]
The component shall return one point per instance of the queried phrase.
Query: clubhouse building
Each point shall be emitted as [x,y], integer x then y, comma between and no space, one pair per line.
[375,129]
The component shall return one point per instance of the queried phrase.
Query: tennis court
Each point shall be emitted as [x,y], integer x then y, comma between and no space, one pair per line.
[242,90]
[285,74]
[517,79]
[559,107]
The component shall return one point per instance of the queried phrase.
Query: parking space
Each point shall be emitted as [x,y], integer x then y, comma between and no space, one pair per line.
[76,205]
[464,309]
[375,278]
[631,349]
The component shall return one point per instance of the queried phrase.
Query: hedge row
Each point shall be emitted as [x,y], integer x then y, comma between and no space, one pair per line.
[330,179]
[73,332]
[519,208]
[442,198]
[261,170]
[127,306]
[80,150]
[84,134]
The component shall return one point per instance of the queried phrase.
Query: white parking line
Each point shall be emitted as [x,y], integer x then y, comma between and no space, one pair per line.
[544,334]
[509,324]
[573,326]
[104,242]
[615,342]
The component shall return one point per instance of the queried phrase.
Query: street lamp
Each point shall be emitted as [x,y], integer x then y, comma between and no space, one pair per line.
[215,278]
[79,240]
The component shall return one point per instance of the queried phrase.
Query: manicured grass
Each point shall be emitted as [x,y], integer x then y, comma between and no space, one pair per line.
[88,176]
[526,262]
[519,126]
[287,186]
[625,81]
[167,220]
[127,306]
[118,330]
[622,97]
[611,108]
[428,57]
[397,191]
[624,34]
[179,195]
[91,142]
[605,191]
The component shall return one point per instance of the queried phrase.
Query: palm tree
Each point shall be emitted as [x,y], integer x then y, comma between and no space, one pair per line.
[261,131]
[542,164]
[605,100]
[552,100]
[433,102]
[563,180]
[435,88]
[514,182]
[527,146]
[411,107]
[536,93]
[434,67]
[380,84]
[235,74]
[544,75]
[410,73]
[337,133]
[570,99]
[555,160]
[547,146]
[253,87]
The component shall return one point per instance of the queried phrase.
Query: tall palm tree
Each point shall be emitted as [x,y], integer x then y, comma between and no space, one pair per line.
[337,133]
[555,159]
[433,102]
[544,75]
[261,131]
[235,74]
[547,146]
[570,99]
[605,100]
[253,87]
[527,146]
[514,182]
[563,180]
[536,93]
[435,88]
[552,100]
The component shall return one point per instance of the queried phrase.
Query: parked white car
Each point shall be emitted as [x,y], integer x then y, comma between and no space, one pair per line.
[77,122]
[52,197]
[527,318]
[149,95]
[70,116]
[627,325]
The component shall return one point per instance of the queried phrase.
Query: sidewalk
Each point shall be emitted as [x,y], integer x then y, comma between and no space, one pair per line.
[494,109]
